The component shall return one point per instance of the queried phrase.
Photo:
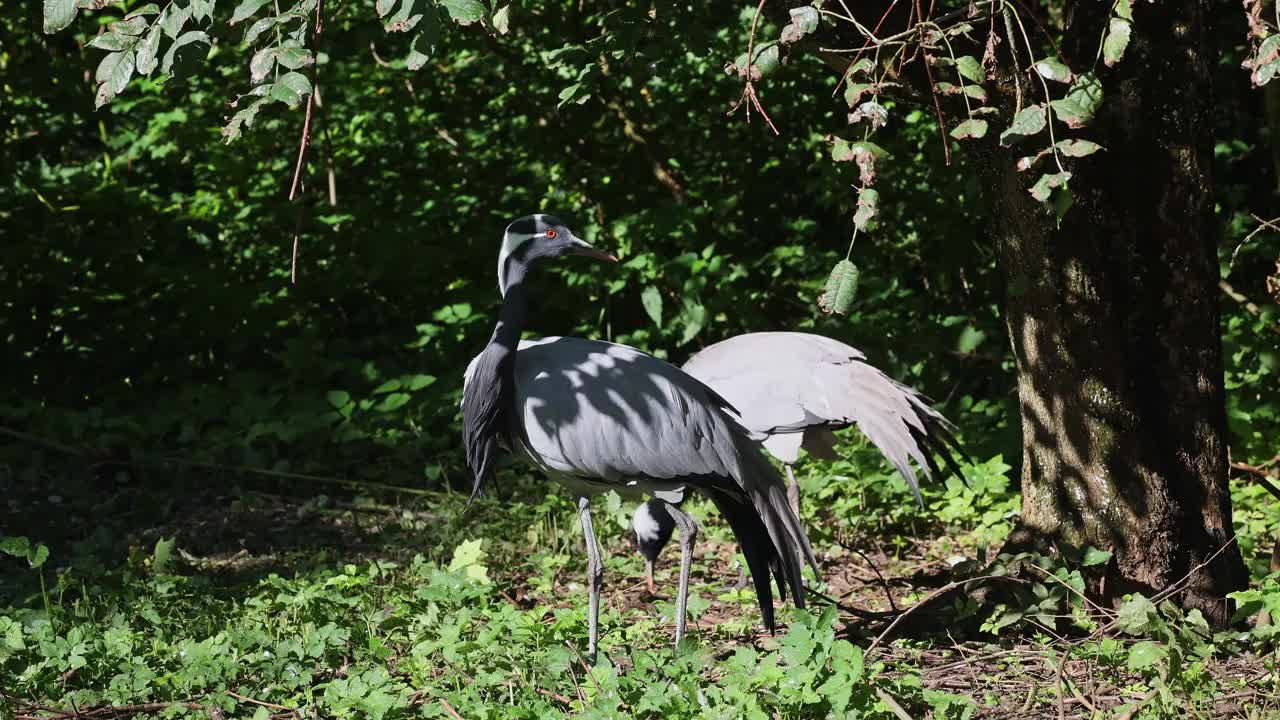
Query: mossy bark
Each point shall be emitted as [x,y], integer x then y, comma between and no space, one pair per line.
[1114,322]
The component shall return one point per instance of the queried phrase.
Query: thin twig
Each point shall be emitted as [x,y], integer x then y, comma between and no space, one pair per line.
[263,703]
[449,709]
[305,141]
[883,584]
[928,598]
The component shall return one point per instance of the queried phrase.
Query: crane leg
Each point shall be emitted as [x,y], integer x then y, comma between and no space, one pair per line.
[688,535]
[793,491]
[595,578]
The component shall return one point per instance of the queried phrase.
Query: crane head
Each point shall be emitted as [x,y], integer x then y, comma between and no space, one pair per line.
[537,237]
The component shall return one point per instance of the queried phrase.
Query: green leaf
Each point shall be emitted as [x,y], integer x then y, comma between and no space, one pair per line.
[148,9]
[424,44]
[383,7]
[693,317]
[1077,148]
[766,61]
[38,556]
[401,21]
[417,382]
[261,64]
[502,19]
[338,398]
[58,14]
[970,69]
[294,57]
[201,9]
[386,387]
[1094,556]
[1124,9]
[290,88]
[247,9]
[162,556]
[468,558]
[804,20]
[112,41]
[392,402]
[148,50]
[841,286]
[465,12]
[1055,70]
[1145,654]
[1117,40]
[258,28]
[189,48]
[18,547]
[1046,184]
[172,18]
[971,128]
[976,92]
[115,70]
[104,95]
[1025,124]
[1081,103]
[868,208]
[853,92]
[1135,615]
[651,299]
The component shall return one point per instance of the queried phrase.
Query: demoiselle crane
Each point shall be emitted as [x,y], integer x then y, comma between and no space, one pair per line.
[597,416]
[792,390]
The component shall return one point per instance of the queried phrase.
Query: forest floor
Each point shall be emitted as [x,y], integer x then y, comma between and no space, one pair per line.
[261,598]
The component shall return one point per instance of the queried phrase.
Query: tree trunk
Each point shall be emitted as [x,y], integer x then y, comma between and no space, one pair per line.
[1113,318]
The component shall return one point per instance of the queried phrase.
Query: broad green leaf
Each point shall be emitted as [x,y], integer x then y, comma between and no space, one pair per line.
[1145,654]
[258,28]
[651,299]
[162,556]
[804,20]
[131,26]
[1025,124]
[1265,63]
[1135,615]
[976,92]
[853,92]
[1081,102]
[38,556]
[1124,9]
[1077,148]
[261,64]
[970,69]
[392,402]
[502,19]
[693,318]
[294,57]
[18,547]
[766,61]
[103,95]
[148,50]
[1117,40]
[1094,556]
[173,18]
[971,128]
[1046,184]
[290,88]
[868,209]
[841,286]
[386,387]
[417,382]
[148,9]
[402,21]
[201,9]
[383,7]
[112,41]
[338,398]
[465,12]
[193,46]
[58,14]
[247,9]
[468,558]
[115,70]
[242,119]
[424,44]
[1054,69]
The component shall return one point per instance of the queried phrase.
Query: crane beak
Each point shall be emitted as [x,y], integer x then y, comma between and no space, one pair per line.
[582,248]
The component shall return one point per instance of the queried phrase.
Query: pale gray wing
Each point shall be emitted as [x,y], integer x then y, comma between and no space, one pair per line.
[788,383]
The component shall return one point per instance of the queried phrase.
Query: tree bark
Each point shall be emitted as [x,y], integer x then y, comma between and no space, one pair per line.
[1114,323]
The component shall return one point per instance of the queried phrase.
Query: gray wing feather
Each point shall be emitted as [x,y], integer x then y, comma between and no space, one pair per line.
[788,383]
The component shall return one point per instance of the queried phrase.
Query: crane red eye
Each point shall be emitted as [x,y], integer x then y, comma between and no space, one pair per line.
[551,233]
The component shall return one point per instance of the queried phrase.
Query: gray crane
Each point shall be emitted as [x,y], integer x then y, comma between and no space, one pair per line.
[792,390]
[597,416]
